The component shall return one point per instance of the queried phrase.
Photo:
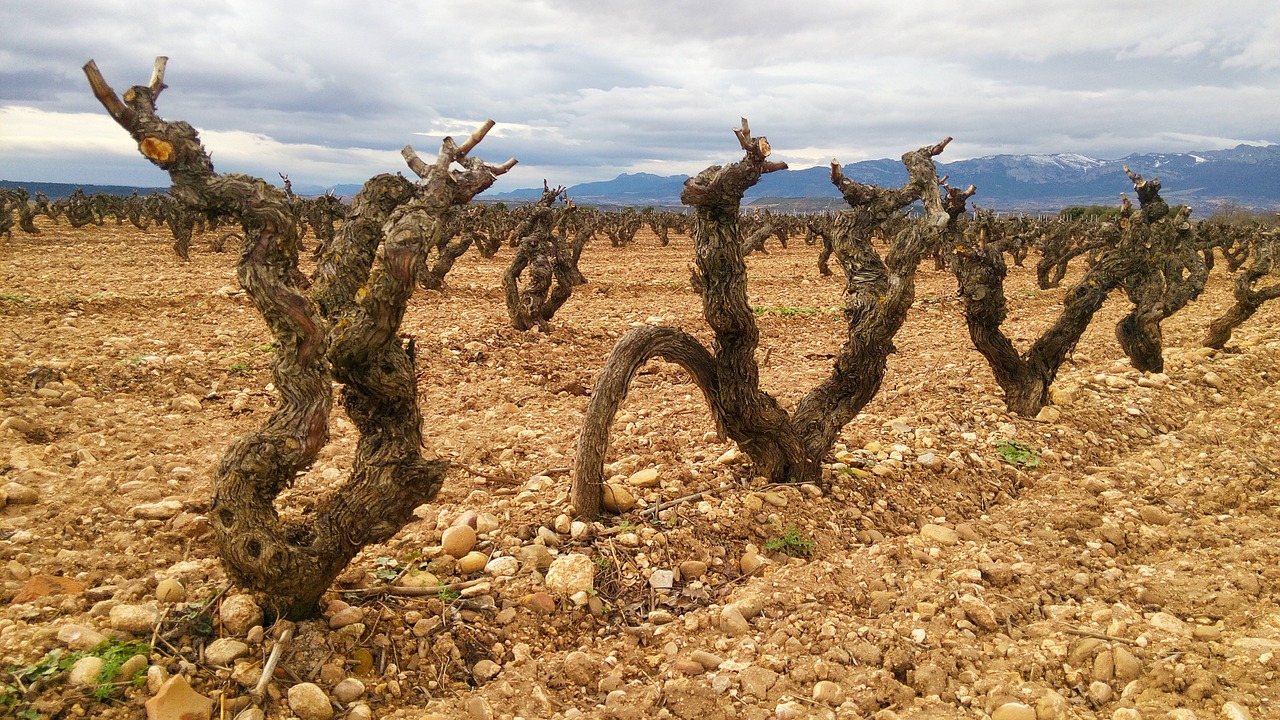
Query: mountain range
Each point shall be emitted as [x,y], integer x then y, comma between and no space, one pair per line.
[1246,175]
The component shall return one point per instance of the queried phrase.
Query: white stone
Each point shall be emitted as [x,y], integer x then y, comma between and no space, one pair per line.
[86,671]
[239,613]
[134,618]
[309,702]
[224,651]
[570,574]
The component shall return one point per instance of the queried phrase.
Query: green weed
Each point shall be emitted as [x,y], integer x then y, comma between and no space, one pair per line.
[1018,453]
[791,542]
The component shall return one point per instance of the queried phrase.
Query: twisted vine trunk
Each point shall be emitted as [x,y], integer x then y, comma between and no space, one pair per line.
[346,330]
[782,448]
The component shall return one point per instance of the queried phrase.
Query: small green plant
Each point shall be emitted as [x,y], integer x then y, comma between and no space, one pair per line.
[791,542]
[448,595]
[602,562]
[11,297]
[1018,453]
[238,367]
[626,525]
[387,569]
[784,310]
[266,347]
[113,653]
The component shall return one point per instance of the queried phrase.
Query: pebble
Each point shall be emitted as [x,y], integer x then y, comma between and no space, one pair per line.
[929,461]
[19,494]
[1235,711]
[176,699]
[137,619]
[539,602]
[239,613]
[692,570]
[1155,515]
[224,651]
[1048,414]
[502,566]
[472,562]
[618,499]
[828,693]
[1100,693]
[163,510]
[1213,380]
[348,691]
[346,616]
[309,702]
[79,637]
[662,579]
[580,668]
[458,540]
[86,671]
[979,613]
[750,562]
[710,661]
[170,591]
[732,621]
[658,616]
[570,574]
[940,534]
[647,477]
[485,670]
[1014,711]
[687,666]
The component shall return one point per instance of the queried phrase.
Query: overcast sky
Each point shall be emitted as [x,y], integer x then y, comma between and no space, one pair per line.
[582,90]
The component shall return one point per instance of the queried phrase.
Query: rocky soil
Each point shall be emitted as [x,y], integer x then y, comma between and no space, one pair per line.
[936,572]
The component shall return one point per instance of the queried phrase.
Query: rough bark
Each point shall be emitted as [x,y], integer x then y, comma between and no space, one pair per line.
[1248,296]
[1172,274]
[977,260]
[549,263]
[348,332]
[782,448]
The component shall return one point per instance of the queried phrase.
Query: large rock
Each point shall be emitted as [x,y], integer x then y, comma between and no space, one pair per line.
[309,702]
[239,613]
[177,701]
[571,574]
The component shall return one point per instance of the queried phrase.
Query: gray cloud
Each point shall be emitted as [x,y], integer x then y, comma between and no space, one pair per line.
[582,90]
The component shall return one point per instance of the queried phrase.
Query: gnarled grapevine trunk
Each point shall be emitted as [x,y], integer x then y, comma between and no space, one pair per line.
[782,448]
[345,330]
[1248,296]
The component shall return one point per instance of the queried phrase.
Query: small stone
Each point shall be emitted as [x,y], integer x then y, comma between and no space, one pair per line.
[502,566]
[472,562]
[548,537]
[618,499]
[38,586]
[1048,414]
[979,613]
[1233,710]
[157,676]
[1155,515]
[1206,633]
[687,666]
[239,613]
[170,591]
[86,672]
[19,494]
[131,667]
[710,661]
[692,570]
[1100,693]
[348,691]
[570,574]
[136,619]
[662,579]
[828,693]
[1213,380]
[253,713]
[773,498]
[1126,714]
[478,708]
[1169,623]
[756,681]
[940,534]
[359,711]
[539,602]
[309,702]
[929,460]
[485,670]
[750,562]
[1127,666]
[580,669]
[732,622]
[658,616]
[536,556]
[790,710]
[458,540]
[162,510]
[79,637]
[647,477]
[346,616]
[729,457]
[1014,711]
[224,651]
[175,700]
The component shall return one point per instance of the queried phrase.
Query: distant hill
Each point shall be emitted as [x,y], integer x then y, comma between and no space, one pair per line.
[1246,174]
[57,191]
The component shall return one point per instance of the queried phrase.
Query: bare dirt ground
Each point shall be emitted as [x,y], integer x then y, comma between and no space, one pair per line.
[1131,574]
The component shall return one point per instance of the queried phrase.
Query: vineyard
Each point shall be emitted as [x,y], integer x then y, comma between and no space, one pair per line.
[630,464]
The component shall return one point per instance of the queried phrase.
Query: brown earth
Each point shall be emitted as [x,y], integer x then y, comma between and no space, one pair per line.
[1131,574]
